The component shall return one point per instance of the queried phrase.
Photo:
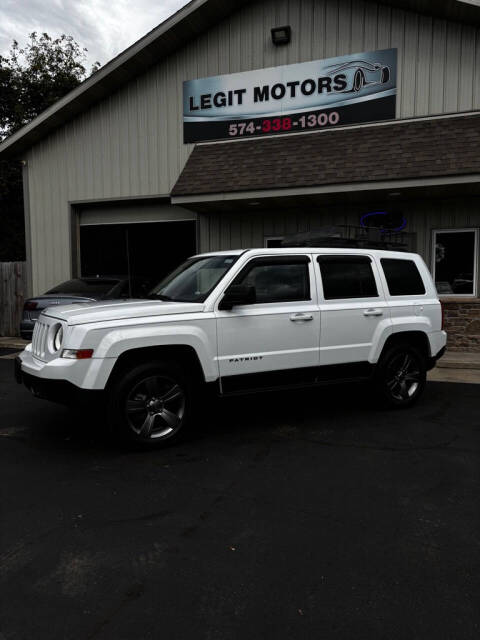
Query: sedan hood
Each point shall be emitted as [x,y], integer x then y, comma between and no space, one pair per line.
[120,310]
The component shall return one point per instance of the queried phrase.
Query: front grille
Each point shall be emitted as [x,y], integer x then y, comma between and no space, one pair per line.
[39,340]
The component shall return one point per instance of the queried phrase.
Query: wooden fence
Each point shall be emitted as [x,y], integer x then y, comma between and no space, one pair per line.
[13,287]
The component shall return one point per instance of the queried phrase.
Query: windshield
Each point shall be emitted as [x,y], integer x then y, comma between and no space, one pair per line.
[85,286]
[194,279]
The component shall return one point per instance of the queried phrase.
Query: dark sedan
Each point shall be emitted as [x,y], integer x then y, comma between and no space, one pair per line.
[82,290]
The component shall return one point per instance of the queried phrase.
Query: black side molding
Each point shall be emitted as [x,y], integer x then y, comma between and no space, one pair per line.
[293,378]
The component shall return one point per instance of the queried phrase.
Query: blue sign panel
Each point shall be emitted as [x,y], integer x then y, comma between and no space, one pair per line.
[298,97]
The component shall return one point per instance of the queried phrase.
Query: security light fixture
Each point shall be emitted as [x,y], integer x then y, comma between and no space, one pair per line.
[281,35]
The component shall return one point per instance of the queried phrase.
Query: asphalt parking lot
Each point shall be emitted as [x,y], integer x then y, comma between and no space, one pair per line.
[304,515]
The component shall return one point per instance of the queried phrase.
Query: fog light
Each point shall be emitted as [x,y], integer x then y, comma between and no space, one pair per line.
[77,354]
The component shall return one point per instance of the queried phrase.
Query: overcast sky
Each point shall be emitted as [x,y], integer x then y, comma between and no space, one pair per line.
[104,27]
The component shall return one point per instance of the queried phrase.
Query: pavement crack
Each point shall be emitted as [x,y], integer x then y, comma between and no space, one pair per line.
[146,517]
[353,445]
[133,592]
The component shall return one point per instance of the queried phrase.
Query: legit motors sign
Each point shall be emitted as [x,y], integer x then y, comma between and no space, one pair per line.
[310,95]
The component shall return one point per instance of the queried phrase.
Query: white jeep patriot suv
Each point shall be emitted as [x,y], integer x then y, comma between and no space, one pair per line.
[242,321]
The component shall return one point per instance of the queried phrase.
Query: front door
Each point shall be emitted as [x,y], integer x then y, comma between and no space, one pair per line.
[352,307]
[275,340]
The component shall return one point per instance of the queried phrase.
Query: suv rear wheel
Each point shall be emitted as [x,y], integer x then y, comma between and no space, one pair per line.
[151,403]
[401,376]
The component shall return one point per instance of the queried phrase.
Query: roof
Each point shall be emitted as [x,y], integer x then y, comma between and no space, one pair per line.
[261,251]
[232,252]
[425,148]
[190,21]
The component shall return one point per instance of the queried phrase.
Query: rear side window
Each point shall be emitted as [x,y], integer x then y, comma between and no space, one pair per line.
[403,277]
[347,277]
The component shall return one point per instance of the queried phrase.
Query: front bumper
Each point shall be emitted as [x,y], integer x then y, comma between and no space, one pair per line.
[91,374]
[60,391]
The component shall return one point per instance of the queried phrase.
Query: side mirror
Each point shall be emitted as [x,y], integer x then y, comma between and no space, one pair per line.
[237,294]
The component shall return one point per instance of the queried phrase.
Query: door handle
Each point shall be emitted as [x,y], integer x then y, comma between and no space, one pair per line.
[373,312]
[301,317]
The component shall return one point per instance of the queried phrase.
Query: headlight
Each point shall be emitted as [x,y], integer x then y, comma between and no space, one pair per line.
[58,338]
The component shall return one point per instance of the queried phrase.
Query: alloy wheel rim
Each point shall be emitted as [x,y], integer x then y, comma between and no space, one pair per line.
[403,377]
[155,407]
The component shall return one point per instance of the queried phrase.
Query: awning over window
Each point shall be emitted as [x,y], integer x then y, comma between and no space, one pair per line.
[416,153]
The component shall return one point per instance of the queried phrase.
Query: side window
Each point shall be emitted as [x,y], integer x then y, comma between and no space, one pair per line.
[347,277]
[277,279]
[403,277]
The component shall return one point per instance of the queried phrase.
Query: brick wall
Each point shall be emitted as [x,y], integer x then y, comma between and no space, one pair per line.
[462,323]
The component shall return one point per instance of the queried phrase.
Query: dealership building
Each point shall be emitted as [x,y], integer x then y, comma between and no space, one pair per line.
[239,124]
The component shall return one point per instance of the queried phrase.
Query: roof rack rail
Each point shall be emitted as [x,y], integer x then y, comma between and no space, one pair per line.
[349,236]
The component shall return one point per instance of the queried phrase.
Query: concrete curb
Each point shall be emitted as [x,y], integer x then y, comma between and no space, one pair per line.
[459,360]
[465,376]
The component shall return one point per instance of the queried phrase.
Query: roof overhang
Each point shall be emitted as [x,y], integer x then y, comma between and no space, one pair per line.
[418,157]
[351,192]
[376,193]
[189,22]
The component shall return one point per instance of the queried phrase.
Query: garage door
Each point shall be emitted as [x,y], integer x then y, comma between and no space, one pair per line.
[145,241]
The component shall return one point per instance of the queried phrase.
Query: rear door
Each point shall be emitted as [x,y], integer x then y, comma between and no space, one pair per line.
[353,309]
[278,336]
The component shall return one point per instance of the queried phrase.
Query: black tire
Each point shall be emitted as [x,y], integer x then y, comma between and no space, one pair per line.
[401,376]
[151,404]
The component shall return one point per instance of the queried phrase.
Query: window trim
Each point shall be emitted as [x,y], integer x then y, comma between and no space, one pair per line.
[277,259]
[267,238]
[373,266]
[475,230]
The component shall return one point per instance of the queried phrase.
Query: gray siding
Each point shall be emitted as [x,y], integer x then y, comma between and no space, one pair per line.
[131,144]
[246,229]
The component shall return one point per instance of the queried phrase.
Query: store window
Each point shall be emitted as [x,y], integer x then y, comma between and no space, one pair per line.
[455,261]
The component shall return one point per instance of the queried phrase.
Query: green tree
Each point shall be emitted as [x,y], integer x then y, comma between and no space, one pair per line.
[32,78]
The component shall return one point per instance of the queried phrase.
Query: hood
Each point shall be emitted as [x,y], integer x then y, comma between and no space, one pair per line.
[113,310]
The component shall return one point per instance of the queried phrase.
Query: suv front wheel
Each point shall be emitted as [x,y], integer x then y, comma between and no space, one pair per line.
[151,403]
[401,376]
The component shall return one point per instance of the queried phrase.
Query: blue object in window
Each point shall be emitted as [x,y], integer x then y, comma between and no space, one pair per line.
[387,222]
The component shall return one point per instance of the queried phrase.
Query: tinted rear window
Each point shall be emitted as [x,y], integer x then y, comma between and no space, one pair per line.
[85,287]
[347,277]
[403,277]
